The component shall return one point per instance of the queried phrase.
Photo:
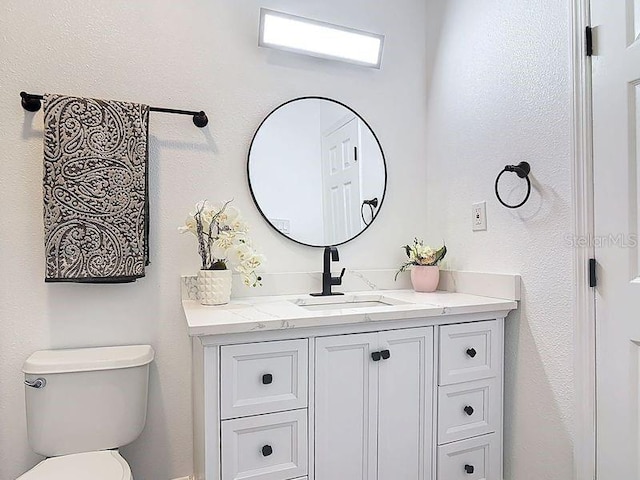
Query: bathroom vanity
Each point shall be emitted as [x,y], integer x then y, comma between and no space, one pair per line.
[387,385]
[379,385]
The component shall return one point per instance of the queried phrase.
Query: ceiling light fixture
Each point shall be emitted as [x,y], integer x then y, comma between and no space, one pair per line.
[319,39]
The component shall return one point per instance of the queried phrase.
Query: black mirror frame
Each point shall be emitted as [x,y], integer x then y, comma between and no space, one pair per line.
[384,163]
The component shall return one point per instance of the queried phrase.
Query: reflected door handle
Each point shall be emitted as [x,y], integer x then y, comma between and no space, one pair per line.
[267,378]
[472,352]
[385,354]
[469,469]
[267,450]
[376,356]
[468,410]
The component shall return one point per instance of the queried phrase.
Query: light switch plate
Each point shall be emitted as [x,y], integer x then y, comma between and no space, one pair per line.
[281,224]
[479,216]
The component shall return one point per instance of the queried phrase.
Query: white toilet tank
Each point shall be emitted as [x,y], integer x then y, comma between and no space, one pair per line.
[87,399]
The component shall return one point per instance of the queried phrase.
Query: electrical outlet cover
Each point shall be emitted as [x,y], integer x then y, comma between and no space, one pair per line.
[479,216]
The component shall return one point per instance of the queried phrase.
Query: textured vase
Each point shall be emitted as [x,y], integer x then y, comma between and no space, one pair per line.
[214,287]
[425,279]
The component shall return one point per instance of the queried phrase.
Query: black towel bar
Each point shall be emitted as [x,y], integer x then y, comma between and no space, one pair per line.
[33,103]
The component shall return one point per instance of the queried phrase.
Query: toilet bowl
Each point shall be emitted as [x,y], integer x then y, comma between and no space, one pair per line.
[82,405]
[104,465]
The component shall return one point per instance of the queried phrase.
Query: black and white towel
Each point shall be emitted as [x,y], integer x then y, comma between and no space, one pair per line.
[95,190]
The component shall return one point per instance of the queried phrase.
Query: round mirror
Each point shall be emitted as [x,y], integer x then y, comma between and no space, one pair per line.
[317,172]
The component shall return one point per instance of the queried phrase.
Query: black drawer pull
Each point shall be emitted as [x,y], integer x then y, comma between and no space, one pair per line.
[472,352]
[267,450]
[376,356]
[386,354]
[468,410]
[469,469]
[267,378]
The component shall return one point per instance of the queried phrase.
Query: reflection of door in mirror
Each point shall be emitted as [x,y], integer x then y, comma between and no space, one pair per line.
[341,181]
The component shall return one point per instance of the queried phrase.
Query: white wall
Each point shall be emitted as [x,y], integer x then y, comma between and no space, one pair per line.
[188,54]
[500,93]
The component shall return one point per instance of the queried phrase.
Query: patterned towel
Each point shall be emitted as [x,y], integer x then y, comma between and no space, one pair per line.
[95,190]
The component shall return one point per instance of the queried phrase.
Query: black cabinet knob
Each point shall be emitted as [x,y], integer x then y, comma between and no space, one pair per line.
[468,410]
[267,378]
[472,352]
[376,356]
[469,469]
[267,450]
[386,354]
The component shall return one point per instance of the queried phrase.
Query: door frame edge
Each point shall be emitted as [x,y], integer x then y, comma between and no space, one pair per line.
[584,314]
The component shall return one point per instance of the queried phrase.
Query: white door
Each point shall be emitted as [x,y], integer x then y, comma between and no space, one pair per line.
[616,122]
[346,408]
[405,384]
[341,182]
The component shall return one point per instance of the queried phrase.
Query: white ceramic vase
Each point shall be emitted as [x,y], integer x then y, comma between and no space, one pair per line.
[214,287]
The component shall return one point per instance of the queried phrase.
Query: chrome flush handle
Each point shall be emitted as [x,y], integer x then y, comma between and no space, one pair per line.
[37,383]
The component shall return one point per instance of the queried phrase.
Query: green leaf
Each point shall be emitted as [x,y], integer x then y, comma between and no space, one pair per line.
[219,265]
[403,268]
[440,254]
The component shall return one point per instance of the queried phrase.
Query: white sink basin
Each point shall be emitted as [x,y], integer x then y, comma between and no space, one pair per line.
[346,302]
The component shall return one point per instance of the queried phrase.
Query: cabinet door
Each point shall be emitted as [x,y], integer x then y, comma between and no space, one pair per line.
[265,447]
[474,459]
[469,351]
[405,432]
[346,393]
[265,377]
[468,410]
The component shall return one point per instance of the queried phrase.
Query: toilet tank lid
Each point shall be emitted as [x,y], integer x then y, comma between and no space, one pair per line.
[87,359]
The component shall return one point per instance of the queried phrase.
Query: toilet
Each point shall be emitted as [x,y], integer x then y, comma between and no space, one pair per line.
[82,405]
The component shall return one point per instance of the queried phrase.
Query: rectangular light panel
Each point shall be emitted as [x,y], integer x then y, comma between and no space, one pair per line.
[319,39]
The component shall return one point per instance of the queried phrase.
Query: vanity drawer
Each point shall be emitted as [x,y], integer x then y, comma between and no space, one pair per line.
[473,459]
[258,378]
[469,351]
[468,410]
[266,447]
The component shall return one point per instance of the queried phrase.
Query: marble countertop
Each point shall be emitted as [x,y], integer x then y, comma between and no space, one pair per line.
[288,311]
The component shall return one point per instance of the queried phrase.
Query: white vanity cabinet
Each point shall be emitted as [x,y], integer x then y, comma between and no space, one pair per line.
[409,399]
[469,401]
[373,397]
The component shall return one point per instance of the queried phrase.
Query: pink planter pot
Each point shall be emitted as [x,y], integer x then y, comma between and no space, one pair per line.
[425,279]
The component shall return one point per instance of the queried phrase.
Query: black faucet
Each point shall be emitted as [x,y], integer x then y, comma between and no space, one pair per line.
[328,280]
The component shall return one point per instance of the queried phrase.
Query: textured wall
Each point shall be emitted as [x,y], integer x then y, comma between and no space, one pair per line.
[500,93]
[188,54]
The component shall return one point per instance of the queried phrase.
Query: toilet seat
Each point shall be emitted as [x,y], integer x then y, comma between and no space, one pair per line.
[103,465]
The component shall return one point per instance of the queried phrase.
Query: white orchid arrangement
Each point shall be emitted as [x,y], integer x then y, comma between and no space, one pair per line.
[421,255]
[223,241]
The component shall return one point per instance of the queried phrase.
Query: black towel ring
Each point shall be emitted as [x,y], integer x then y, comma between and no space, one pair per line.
[522,170]
[373,204]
